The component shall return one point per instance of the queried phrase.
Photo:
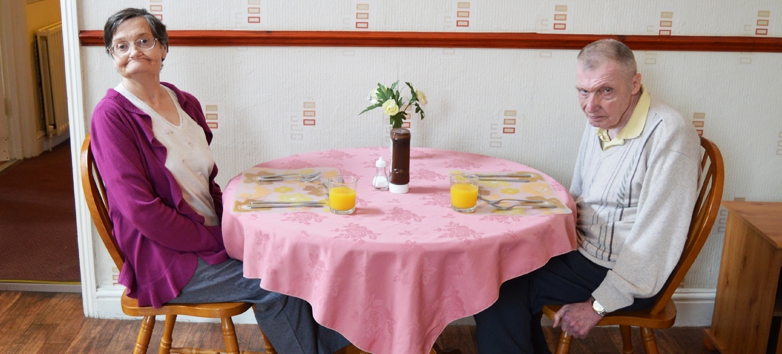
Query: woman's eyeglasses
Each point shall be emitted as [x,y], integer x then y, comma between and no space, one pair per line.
[123,48]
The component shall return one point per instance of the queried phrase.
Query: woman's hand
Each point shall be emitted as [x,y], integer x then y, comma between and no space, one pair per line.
[577,319]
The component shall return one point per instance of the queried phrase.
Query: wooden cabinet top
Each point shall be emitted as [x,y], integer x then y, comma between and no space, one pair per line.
[763,217]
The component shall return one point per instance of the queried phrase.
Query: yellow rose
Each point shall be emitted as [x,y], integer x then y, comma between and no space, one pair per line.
[390,108]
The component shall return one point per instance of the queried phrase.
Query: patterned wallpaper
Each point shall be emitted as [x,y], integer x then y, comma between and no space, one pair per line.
[521,105]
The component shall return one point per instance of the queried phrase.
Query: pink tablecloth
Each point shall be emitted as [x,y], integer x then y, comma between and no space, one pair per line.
[391,276]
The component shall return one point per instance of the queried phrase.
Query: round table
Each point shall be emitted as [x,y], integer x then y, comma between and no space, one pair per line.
[392,275]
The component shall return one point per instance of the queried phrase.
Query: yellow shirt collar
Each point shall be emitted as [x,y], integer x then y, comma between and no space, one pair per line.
[634,126]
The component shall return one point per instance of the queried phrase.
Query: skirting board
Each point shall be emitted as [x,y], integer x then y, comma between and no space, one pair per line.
[694,308]
[38,287]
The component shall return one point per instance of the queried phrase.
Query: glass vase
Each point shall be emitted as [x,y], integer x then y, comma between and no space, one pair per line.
[400,160]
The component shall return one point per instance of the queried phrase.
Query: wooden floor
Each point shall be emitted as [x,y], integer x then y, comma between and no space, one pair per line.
[33,322]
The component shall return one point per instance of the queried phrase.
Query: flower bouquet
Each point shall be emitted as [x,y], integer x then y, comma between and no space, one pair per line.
[393,104]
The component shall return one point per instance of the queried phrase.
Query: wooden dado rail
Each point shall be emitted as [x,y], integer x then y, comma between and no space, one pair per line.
[453,40]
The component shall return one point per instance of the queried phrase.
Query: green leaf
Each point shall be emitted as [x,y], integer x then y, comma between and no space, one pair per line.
[382,93]
[395,121]
[371,108]
[419,110]
[393,86]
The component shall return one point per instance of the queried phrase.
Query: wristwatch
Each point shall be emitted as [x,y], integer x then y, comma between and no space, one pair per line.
[597,307]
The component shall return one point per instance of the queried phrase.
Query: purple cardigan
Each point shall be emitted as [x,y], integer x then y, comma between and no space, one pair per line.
[159,234]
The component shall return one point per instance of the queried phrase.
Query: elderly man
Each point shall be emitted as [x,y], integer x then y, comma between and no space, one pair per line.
[634,183]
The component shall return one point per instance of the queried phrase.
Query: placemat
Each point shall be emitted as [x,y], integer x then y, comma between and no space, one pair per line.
[516,185]
[290,190]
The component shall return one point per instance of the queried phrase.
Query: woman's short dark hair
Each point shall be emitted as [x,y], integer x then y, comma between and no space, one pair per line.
[158,28]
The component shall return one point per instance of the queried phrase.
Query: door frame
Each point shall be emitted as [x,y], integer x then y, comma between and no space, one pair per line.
[69,12]
[5,142]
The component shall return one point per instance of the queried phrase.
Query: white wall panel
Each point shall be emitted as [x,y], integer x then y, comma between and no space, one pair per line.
[257,87]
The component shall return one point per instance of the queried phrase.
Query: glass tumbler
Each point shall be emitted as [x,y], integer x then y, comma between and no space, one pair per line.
[342,194]
[464,193]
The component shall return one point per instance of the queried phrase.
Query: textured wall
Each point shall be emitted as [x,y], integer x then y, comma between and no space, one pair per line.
[259,90]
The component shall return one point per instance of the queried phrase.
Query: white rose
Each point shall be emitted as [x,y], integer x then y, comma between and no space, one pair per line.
[372,96]
[421,97]
[390,108]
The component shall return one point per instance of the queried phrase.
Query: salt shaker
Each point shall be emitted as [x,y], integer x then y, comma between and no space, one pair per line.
[380,181]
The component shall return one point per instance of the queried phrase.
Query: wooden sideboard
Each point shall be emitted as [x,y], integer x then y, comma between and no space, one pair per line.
[748,296]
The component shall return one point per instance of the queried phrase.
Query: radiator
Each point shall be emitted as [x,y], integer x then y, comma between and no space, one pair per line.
[51,61]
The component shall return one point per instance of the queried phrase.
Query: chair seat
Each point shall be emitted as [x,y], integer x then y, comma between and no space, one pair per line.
[642,318]
[216,310]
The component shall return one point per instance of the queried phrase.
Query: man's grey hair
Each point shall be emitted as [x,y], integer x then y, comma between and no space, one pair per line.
[599,52]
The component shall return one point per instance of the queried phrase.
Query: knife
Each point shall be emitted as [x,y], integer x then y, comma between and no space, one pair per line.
[519,175]
[266,206]
[503,179]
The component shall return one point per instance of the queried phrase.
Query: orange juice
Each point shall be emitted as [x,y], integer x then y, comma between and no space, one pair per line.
[342,198]
[464,195]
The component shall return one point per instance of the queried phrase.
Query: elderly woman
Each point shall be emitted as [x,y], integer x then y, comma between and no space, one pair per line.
[151,144]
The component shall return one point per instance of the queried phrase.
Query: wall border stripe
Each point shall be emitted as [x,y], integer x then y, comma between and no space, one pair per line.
[453,40]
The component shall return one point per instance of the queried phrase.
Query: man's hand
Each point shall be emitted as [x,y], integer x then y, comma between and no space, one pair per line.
[577,319]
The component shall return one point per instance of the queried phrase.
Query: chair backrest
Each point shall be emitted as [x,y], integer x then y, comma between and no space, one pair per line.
[703,217]
[95,194]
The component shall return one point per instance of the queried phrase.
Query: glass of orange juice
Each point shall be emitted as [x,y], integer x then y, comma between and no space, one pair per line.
[464,193]
[342,194]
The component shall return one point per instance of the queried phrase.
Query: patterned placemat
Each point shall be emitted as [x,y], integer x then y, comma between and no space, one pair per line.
[289,190]
[524,185]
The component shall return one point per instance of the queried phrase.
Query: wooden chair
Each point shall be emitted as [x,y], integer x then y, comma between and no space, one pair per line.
[95,194]
[663,313]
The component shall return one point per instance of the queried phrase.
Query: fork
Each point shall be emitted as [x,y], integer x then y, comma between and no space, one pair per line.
[520,202]
[302,177]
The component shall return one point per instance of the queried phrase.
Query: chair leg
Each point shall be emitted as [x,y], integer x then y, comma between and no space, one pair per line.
[627,340]
[708,344]
[144,334]
[563,346]
[437,350]
[350,349]
[168,333]
[650,344]
[229,336]
[267,346]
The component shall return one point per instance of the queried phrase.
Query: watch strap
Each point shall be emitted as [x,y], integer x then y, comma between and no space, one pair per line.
[597,307]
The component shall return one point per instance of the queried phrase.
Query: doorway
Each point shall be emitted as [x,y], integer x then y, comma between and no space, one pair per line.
[46,178]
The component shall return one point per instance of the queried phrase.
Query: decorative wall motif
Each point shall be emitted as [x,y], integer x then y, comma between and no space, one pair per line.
[473,93]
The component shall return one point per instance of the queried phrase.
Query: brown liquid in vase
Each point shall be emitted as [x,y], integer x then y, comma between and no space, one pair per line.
[400,161]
